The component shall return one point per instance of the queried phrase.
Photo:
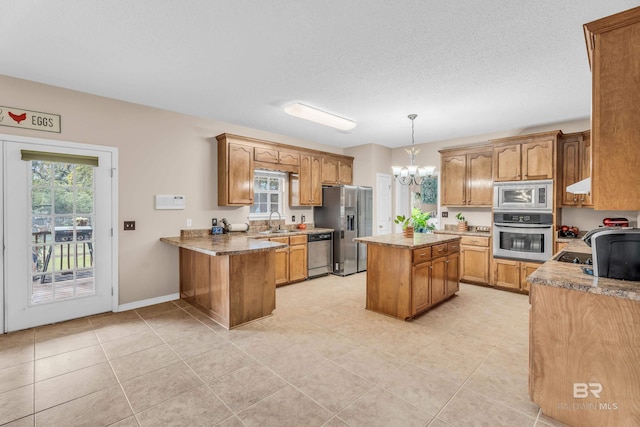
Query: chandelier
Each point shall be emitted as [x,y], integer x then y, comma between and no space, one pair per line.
[412,174]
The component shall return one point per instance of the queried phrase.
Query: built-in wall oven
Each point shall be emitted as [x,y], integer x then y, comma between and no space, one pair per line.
[523,235]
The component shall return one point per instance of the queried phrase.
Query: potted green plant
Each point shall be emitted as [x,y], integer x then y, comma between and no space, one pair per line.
[421,221]
[407,227]
[462,222]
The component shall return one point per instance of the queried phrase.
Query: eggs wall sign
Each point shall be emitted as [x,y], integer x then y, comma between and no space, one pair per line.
[34,120]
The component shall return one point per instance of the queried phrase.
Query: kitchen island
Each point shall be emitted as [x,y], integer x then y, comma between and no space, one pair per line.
[584,345]
[407,276]
[230,278]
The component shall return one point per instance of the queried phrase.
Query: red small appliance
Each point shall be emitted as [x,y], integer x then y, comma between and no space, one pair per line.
[615,222]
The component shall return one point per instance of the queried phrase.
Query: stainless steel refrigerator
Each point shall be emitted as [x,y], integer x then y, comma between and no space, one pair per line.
[348,209]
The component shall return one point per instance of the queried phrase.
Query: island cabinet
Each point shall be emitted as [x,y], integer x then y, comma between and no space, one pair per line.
[613,46]
[231,289]
[407,276]
[525,157]
[583,354]
[235,172]
[475,260]
[467,176]
[337,170]
[574,157]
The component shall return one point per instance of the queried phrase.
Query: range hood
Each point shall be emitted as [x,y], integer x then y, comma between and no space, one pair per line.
[580,187]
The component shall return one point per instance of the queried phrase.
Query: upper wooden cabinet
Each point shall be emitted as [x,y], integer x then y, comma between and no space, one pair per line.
[310,182]
[613,45]
[337,170]
[467,176]
[239,156]
[574,164]
[235,172]
[525,157]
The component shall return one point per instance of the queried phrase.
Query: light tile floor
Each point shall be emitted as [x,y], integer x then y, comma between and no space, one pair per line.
[320,360]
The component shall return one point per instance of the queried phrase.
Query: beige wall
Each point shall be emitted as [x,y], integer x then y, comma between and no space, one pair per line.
[160,152]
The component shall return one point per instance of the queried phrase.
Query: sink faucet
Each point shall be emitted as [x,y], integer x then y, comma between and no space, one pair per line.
[279,218]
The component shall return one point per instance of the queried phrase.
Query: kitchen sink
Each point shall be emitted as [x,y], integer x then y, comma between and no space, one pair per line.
[264,232]
[282,231]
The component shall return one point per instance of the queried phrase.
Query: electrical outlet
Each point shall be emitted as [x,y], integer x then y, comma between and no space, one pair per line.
[188,222]
[293,218]
[445,214]
[214,222]
[129,225]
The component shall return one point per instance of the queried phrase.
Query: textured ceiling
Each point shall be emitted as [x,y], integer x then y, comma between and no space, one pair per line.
[465,67]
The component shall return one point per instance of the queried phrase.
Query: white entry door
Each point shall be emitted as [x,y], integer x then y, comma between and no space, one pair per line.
[383,204]
[59,259]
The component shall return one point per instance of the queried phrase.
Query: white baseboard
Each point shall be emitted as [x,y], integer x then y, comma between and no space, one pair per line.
[146,302]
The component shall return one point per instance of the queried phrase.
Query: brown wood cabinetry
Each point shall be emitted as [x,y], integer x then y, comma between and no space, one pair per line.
[513,274]
[235,172]
[291,261]
[337,170]
[297,258]
[525,157]
[310,181]
[239,156]
[402,292]
[475,260]
[613,45]
[232,289]
[581,337]
[467,176]
[575,158]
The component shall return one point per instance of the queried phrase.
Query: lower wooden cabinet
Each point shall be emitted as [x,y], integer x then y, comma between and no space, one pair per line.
[513,274]
[560,246]
[291,261]
[435,280]
[475,260]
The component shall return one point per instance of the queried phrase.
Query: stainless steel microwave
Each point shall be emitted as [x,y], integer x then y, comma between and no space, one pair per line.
[523,195]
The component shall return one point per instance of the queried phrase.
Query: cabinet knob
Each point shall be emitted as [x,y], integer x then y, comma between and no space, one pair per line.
[575,199]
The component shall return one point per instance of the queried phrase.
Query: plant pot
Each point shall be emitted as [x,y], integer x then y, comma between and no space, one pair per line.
[462,226]
[408,231]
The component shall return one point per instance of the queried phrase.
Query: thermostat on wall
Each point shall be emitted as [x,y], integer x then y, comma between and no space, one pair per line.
[168,201]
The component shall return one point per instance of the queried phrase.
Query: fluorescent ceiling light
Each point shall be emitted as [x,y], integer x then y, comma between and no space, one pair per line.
[318,116]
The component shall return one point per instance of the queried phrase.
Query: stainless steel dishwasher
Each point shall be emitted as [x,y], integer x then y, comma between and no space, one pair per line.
[319,254]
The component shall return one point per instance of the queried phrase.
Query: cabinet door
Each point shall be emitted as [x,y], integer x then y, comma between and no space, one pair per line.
[438,279]
[570,171]
[453,274]
[453,180]
[240,166]
[474,262]
[527,269]
[316,181]
[420,292]
[537,160]
[506,273]
[310,181]
[345,172]
[330,170]
[506,163]
[286,158]
[266,155]
[480,179]
[297,262]
[585,167]
[282,266]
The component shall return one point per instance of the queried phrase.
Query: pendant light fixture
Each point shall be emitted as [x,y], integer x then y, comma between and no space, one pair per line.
[412,174]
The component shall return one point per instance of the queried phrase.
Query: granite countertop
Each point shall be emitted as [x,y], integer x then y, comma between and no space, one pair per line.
[234,243]
[223,244]
[465,233]
[570,276]
[419,240]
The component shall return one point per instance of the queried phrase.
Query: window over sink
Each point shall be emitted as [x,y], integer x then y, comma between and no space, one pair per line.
[268,193]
